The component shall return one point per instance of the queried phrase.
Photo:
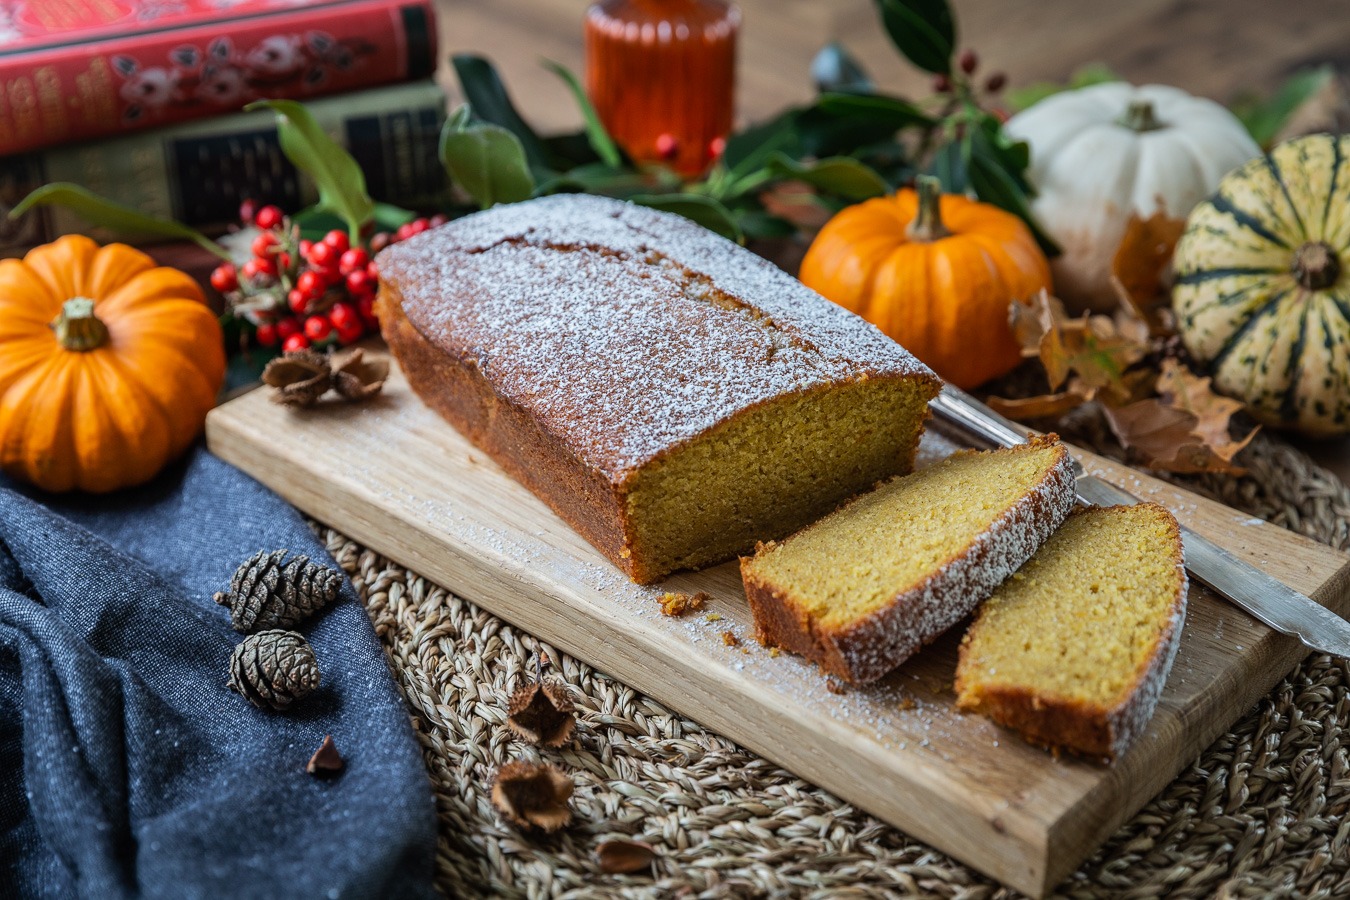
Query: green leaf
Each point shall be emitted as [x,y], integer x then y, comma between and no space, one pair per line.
[951,166]
[993,184]
[486,160]
[1085,76]
[1265,119]
[388,216]
[706,211]
[840,175]
[97,211]
[923,30]
[756,223]
[877,109]
[751,148]
[622,183]
[341,183]
[486,94]
[599,138]
[834,69]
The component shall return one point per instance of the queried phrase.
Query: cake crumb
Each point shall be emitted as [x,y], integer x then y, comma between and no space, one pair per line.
[675,603]
[907,703]
[730,639]
[835,686]
[712,617]
[773,652]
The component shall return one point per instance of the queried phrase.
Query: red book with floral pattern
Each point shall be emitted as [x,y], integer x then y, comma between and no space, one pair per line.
[75,69]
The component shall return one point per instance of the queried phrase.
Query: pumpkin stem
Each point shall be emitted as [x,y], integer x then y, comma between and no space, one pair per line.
[77,328]
[927,224]
[1141,116]
[1316,266]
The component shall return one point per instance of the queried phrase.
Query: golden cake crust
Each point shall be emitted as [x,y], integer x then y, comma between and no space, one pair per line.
[869,647]
[580,341]
[1067,724]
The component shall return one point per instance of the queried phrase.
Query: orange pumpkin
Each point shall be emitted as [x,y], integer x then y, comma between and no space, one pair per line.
[108,365]
[935,272]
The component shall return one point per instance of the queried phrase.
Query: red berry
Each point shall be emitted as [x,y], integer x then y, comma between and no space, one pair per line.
[404,232]
[366,307]
[360,282]
[350,334]
[439,219]
[344,315]
[304,247]
[337,240]
[247,210]
[267,265]
[253,270]
[318,328]
[224,278]
[667,145]
[996,82]
[268,217]
[716,147]
[263,244]
[968,61]
[942,84]
[417,226]
[284,260]
[295,342]
[322,254]
[297,300]
[373,270]
[310,283]
[353,259]
[267,334]
[287,327]
[380,241]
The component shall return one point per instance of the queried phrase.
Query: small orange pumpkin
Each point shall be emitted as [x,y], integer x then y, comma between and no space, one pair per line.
[935,272]
[108,365]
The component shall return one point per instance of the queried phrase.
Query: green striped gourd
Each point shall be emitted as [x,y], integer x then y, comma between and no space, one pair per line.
[1262,294]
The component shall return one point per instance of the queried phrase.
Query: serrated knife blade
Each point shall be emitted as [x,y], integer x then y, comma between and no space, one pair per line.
[1264,597]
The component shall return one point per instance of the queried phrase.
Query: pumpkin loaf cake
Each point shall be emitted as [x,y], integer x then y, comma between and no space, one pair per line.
[671,395]
[1073,650]
[865,587]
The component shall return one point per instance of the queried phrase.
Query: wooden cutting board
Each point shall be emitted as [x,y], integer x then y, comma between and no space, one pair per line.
[397,478]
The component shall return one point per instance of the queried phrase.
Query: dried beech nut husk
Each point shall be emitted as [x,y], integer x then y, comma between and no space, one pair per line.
[300,377]
[356,377]
[542,713]
[533,795]
[624,857]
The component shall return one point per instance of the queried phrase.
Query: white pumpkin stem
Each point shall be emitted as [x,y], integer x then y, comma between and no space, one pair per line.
[77,328]
[1316,266]
[927,224]
[1141,116]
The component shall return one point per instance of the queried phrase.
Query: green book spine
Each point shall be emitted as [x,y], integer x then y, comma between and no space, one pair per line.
[199,172]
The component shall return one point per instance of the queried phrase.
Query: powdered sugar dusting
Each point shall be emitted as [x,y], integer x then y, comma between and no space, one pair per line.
[655,327]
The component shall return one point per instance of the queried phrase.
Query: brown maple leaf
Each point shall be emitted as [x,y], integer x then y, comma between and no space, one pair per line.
[1141,268]
[1185,429]
[542,713]
[533,795]
[623,856]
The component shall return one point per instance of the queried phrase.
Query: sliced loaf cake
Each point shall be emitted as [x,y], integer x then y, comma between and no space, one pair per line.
[1073,650]
[863,588]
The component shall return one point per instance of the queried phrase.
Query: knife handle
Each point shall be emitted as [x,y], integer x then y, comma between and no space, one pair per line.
[974,418]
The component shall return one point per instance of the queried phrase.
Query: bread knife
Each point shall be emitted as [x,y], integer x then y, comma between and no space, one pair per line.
[1267,599]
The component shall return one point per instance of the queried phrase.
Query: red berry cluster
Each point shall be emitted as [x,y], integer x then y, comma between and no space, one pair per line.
[300,293]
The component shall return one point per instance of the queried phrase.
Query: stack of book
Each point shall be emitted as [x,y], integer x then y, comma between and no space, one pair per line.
[139,101]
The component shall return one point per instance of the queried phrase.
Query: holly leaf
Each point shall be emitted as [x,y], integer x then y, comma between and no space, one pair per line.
[485,92]
[923,30]
[706,211]
[1140,269]
[596,134]
[105,213]
[486,160]
[840,175]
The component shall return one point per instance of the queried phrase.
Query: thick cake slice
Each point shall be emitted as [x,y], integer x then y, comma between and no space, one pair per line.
[671,395]
[862,589]
[1073,650]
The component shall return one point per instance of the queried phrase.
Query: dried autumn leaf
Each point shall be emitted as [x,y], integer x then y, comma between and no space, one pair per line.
[1186,429]
[542,713]
[1042,406]
[623,856]
[533,795]
[1139,270]
[1031,319]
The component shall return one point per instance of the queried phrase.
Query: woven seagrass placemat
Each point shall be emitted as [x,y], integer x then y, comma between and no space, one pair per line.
[1261,813]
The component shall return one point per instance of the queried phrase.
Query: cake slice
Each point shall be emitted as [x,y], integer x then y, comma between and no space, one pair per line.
[862,589]
[1073,650]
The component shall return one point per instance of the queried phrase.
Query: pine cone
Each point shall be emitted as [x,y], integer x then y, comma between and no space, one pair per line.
[273,668]
[265,594]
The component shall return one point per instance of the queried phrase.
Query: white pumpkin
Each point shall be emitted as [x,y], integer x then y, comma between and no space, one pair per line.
[1101,153]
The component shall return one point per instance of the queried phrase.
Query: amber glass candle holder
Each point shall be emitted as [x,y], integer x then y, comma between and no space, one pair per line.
[662,76]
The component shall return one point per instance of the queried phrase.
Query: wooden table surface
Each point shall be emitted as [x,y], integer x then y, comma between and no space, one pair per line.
[1218,48]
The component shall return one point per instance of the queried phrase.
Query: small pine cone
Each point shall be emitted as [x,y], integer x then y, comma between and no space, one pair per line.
[266,594]
[273,668]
